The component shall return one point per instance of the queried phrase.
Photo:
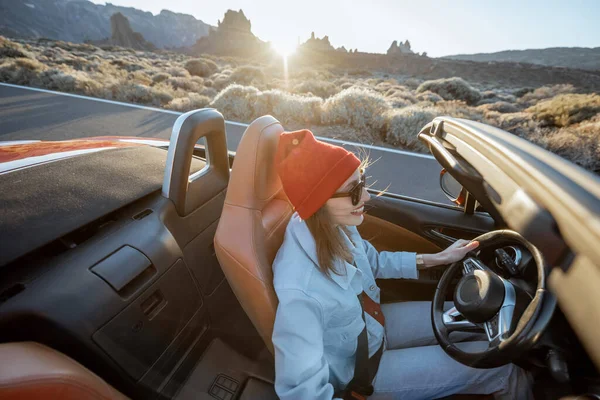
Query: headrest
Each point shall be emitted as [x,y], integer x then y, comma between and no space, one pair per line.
[254,180]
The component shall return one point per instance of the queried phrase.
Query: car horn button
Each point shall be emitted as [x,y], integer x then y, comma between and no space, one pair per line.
[479,295]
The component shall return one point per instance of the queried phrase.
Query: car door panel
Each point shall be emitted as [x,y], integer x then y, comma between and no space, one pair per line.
[396,223]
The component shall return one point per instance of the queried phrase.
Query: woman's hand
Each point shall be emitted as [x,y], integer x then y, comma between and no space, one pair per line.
[457,251]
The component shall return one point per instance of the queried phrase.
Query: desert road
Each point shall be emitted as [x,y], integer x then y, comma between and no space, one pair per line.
[36,114]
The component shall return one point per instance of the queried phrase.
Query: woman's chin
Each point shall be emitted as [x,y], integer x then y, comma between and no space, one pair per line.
[355,220]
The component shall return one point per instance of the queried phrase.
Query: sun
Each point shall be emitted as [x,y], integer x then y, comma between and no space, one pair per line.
[284,49]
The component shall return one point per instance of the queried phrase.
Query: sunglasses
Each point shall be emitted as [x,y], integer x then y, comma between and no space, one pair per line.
[355,193]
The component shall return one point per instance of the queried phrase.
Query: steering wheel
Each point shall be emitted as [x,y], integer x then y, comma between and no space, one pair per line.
[484,299]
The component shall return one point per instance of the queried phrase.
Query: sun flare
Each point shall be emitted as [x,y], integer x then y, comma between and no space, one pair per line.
[284,49]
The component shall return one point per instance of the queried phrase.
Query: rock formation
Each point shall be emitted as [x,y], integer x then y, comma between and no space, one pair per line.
[232,37]
[235,21]
[402,48]
[79,21]
[124,36]
[317,44]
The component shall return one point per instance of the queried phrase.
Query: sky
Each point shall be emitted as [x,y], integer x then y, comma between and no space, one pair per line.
[438,27]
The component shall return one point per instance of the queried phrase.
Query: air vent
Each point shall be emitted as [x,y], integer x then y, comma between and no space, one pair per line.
[142,214]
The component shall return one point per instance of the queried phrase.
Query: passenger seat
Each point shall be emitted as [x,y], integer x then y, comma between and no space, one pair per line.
[31,370]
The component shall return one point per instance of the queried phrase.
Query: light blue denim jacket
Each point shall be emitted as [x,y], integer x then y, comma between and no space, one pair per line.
[319,319]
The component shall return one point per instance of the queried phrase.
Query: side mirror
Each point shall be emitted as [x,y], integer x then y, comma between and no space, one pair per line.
[452,188]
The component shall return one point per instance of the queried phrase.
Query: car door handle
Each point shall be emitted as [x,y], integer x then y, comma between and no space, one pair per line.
[435,232]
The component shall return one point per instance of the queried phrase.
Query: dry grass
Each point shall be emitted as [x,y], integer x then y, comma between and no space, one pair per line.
[351,104]
[193,102]
[532,97]
[499,106]
[566,109]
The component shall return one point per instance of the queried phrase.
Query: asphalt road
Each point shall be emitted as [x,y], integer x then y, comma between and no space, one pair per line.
[31,114]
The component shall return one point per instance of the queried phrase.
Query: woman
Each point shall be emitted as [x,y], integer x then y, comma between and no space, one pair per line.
[321,268]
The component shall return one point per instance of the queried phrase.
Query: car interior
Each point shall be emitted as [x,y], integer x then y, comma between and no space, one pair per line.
[145,273]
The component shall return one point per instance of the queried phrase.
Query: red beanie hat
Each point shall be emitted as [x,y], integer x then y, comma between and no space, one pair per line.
[311,171]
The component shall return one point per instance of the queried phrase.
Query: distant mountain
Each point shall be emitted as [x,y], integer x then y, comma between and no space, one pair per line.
[571,57]
[80,20]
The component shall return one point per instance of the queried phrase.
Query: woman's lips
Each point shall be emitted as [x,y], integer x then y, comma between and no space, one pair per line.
[358,211]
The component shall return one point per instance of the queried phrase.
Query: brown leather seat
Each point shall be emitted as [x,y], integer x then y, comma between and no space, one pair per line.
[253,223]
[30,370]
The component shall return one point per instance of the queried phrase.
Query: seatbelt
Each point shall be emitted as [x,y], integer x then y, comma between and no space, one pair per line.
[365,369]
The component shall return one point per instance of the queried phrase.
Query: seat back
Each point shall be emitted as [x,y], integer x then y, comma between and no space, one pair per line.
[29,370]
[252,224]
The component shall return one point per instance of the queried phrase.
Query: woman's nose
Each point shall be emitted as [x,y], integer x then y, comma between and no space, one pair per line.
[365,195]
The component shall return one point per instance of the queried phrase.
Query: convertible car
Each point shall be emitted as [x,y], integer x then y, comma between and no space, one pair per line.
[141,269]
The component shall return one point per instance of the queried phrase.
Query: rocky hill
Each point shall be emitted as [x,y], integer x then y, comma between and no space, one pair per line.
[490,74]
[124,36]
[232,37]
[80,20]
[570,57]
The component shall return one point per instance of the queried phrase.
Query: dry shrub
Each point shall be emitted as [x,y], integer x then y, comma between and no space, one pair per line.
[398,102]
[578,143]
[140,77]
[400,95]
[412,83]
[247,75]
[74,62]
[201,67]
[383,87]
[127,65]
[452,89]
[288,107]
[518,123]
[359,108]
[189,85]
[522,91]
[402,126]
[208,91]
[10,49]
[221,79]
[73,47]
[192,102]
[457,109]
[244,103]
[499,106]
[72,81]
[178,72]
[141,94]
[21,71]
[321,89]
[566,109]
[429,96]
[160,77]
[545,92]
[236,102]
